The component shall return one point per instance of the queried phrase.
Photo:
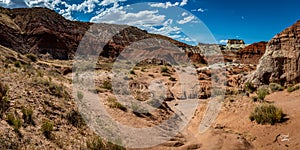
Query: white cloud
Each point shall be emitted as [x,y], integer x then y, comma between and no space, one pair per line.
[118,15]
[186,39]
[164,5]
[186,20]
[5,2]
[168,4]
[199,10]
[108,2]
[184,2]
[223,41]
[184,14]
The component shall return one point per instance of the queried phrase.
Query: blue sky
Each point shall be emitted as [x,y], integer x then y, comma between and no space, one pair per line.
[190,21]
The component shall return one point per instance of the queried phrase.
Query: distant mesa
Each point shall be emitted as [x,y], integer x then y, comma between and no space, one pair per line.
[235,44]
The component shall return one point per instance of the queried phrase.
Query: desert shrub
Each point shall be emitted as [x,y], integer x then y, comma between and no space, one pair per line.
[267,114]
[79,95]
[95,144]
[106,85]
[15,122]
[172,79]
[113,103]
[32,57]
[57,90]
[293,88]
[249,87]
[164,69]
[275,87]
[98,144]
[17,64]
[27,116]
[262,93]
[75,118]
[4,101]
[47,129]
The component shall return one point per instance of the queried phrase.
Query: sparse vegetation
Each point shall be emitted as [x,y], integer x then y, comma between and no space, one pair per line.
[32,57]
[164,69]
[275,87]
[47,129]
[27,116]
[15,122]
[75,118]
[267,114]
[249,87]
[98,144]
[293,88]
[113,103]
[262,93]
[106,85]
[79,95]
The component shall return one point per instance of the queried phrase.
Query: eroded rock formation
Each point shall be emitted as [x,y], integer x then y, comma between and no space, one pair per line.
[281,62]
[252,53]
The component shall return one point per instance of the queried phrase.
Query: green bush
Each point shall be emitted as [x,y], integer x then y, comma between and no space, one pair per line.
[14,121]
[79,95]
[106,85]
[113,103]
[249,87]
[57,90]
[262,93]
[32,57]
[47,129]
[275,87]
[164,69]
[267,114]
[98,144]
[27,116]
[75,118]
[293,88]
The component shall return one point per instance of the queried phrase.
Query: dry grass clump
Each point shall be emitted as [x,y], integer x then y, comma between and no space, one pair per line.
[267,114]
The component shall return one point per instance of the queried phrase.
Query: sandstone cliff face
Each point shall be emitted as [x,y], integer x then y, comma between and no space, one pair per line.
[252,53]
[281,62]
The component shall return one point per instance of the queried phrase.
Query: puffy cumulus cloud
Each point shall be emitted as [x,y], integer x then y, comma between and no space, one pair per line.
[184,2]
[186,20]
[223,41]
[167,29]
[168,4]
[164,5]
[118,15]
[108,2]
[87,6]
[5,2]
